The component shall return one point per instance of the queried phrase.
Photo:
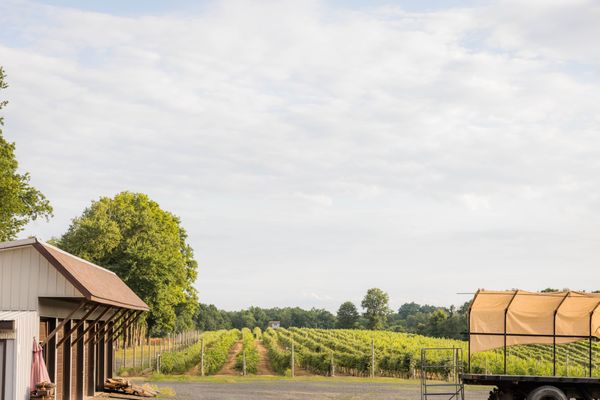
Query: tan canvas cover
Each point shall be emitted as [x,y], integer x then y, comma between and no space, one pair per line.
[577,314]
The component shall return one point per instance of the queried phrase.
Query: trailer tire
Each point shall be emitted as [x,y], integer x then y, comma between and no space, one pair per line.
[546,393]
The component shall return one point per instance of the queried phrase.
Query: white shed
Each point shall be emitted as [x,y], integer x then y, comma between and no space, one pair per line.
[73,307]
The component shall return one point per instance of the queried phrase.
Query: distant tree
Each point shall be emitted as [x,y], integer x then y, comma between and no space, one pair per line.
[209,318]
[347,316]
[20,202]
[147,247]
[549,290]
[376,308]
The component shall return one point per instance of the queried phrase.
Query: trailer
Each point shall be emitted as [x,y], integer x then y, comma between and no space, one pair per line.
[500,319]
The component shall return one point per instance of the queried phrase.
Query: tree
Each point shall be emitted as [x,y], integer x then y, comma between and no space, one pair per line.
[146,247]
[20,202]
[376,308]
[347,316]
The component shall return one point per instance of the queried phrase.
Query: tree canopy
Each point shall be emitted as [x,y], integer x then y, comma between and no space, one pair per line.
[21,202]
[347,316]
[146,247]
[376,308]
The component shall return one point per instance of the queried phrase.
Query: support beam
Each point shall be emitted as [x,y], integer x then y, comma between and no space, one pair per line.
[91,372]
[92,326]
[137,315]
[103,330]
[50,351]
[63,323]
[130,314]
[93,337]
[110,354]
[122,325]
[80,371]
[70,333]
[67,364]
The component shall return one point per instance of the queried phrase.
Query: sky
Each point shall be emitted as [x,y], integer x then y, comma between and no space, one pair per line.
[315,149]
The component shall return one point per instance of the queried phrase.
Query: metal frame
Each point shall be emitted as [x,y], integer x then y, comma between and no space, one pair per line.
[454,388]
[554,336]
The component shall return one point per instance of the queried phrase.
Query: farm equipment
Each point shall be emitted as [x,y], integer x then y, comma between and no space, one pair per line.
[499,319]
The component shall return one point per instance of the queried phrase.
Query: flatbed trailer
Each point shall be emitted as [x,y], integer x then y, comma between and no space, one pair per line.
[498,319]
[517,387]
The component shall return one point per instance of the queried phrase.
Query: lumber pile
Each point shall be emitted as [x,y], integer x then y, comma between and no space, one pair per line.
[121,385]
[43,391]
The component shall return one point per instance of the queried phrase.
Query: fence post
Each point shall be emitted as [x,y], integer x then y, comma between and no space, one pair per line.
[373,358]
[202,357]
[293,369]
[332,365]
[244,363]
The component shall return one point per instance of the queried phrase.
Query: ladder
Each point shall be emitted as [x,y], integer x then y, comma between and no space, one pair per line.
[441,371]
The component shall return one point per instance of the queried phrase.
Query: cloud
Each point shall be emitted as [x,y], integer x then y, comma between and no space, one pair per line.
[398,129]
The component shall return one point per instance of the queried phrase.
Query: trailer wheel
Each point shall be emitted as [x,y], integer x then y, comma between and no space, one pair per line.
[546,393]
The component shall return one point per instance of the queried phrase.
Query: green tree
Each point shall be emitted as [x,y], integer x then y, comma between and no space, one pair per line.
[145,246]
[376,308]
[19,201]
[347,316]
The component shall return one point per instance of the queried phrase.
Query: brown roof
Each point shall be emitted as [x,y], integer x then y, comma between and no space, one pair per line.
[95,283]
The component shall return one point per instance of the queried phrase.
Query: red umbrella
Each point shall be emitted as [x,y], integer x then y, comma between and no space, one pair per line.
[39,372]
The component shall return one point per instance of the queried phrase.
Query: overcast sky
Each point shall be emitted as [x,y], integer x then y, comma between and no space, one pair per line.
[315,149]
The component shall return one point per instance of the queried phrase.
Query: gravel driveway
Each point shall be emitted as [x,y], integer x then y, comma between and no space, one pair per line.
[296,390]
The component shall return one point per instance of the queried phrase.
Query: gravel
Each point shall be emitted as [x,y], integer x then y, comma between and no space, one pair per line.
[296,390]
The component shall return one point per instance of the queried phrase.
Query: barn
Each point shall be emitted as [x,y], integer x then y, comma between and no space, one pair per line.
[74,308]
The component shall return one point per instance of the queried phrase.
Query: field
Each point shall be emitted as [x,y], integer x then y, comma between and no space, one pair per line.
[358,353]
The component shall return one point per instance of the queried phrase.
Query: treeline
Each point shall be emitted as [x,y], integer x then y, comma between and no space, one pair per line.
[210,318]
[443,322]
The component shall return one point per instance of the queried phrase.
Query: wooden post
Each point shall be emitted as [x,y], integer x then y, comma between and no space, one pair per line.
[332,365]
[293,371]
[142,357]
[372,358]
[202,357]
[133,365]
[244,363]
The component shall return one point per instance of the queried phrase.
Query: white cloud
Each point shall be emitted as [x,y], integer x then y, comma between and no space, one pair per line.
[307,144]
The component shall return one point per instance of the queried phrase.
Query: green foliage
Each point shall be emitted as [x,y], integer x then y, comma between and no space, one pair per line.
[146,246]
[216,348]
[215,354]
[208,317]
[249,351]
[430,320]
[347,316]
[20,202]
[279,356]
[376,308]
[257,332]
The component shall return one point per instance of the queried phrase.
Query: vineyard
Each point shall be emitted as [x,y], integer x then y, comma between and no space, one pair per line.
[356,353]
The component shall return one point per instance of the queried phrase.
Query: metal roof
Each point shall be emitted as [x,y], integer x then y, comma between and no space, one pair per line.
[95,283]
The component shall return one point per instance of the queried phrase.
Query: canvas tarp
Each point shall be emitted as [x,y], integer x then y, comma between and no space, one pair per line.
[570,316]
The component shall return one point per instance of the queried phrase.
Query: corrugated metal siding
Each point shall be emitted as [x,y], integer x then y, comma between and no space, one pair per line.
[26,327]
[26,275]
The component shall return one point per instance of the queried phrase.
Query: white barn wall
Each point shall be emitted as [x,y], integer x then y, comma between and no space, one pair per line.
[27,325]
[26,275]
